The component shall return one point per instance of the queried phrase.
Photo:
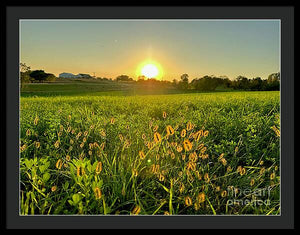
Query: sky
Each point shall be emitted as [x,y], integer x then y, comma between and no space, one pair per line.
[110,48]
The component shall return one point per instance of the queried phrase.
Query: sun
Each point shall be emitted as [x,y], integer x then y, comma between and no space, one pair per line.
[149,71]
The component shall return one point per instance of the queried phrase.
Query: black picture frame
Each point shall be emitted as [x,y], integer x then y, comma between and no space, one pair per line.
[11,162]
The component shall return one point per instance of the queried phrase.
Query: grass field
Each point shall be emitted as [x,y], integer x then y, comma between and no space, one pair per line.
[110,153]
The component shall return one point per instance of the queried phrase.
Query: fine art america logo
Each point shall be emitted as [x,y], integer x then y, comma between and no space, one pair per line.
[247,196]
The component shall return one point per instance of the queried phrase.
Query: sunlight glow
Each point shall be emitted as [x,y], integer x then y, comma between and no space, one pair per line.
[150,69]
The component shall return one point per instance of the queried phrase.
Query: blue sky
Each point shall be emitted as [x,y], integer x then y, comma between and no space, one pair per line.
[110,48]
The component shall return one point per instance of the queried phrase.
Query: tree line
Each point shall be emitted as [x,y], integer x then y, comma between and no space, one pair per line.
[27,75]
[211,83]
[205,83]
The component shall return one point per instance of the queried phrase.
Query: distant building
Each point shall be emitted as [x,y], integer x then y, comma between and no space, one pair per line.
[71,75]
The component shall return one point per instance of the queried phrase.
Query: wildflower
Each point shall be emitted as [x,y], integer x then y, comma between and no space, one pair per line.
[73,131]
[239,169]
[174,144]
[136,210]
[196,206]
[179,148]
[221,156]
[236,149]
[85,133]
[142,155]
[170,130]
[98,193]
[96,145]
[198,135]
[166,213]
[58,164]
[161,177]
[91,145]
[272,176]
[92,126]
[200,146]
[172,155]
[90,152]
[102,146]
[193,157]
[143,136]
[112,120]
[37,144]
[188,201]
[164,114]
[80,171]
[218,188]
[229,169]
[157,137]
[35,122]
[201,197]
[126,144]
[191,136]
[69,117]
[205,133]
[243,171]
[206,177]
[183,156]
[69,129]
[276,130]
[183,133]
[102,132]
[223,161]
[81,145]
[121,137]
[252,182]
[134,172]
[98,168]
[28,132]
[23,147]
[68,158]
[53,188]
[261,162]
[84,140]
[191,166]
[187,145]
[224,193]
[203,150]
[152,168]
[181,189]
[189,126]
[155,128]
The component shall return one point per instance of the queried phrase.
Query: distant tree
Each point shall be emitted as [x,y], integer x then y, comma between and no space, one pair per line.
[256,84]
[242,83]
[39,75]
[141,78]
[184,81]
[50,77]
[24,74]
[123,78]
[273,81]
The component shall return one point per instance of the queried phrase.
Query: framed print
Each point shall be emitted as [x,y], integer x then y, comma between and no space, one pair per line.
[150,117]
